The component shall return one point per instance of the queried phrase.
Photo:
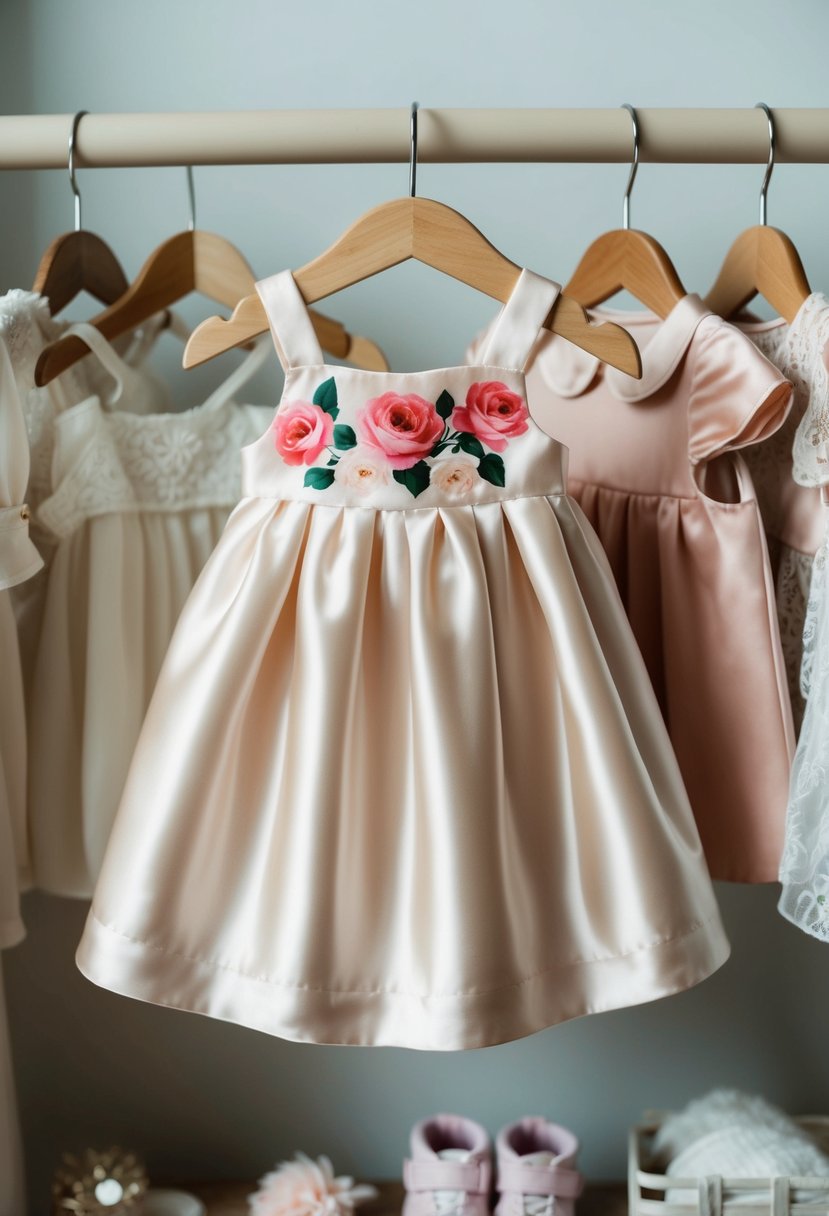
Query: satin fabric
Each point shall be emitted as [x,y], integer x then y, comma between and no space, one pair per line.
[403,779]
[656,466]
[137,505]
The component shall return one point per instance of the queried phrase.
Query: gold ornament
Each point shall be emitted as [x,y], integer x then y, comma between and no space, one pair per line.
[99,1184]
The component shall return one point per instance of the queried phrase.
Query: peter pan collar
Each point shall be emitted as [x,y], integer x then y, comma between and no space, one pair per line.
[570,371]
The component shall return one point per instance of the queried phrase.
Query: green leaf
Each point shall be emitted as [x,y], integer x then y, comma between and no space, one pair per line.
[344,436]
[471,445]
[326,397]
[439,446]
[445,404]
[319,479]
[491,469]
[415,479]
[334,460]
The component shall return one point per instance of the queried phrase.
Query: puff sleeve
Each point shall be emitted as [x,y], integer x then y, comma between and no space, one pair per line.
[737,396]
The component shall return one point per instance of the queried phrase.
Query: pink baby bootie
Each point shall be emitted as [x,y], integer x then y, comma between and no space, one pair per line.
[450,1170]
[537,1173]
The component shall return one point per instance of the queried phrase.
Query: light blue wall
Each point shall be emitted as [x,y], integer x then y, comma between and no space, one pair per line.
[201,1098]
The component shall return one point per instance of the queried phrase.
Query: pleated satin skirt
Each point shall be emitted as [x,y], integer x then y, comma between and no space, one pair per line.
[403,781]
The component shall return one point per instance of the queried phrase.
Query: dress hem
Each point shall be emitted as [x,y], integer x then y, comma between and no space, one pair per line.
[453,1022]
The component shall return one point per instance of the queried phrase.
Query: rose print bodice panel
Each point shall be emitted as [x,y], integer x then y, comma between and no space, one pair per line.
[390,441]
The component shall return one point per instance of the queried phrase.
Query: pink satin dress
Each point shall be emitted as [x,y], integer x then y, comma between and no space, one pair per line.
[403,779]
[655,464]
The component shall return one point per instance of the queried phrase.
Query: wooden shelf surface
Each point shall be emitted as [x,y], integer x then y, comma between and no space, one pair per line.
[230,1199]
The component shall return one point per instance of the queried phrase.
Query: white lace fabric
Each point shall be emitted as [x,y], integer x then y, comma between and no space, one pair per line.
[797,351]
[792,586]
[804,866]
[159,462]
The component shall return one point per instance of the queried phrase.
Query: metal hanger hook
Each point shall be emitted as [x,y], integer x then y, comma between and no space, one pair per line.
[634,165]
[73,181]
[191,194]
[764,189]
[413,149]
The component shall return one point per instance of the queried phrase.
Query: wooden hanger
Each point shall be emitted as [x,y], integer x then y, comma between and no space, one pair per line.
[75,262]
[192,261]
[432,233]
[627,260]
[429,232]
[762,261]
[78,261]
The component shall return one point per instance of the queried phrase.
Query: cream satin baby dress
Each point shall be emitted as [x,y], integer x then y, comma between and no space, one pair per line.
[403,779]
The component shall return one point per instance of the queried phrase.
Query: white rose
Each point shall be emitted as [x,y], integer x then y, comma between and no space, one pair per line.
[360,470]
[455,476]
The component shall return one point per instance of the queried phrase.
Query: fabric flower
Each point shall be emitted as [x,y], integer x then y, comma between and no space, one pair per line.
[361,470]
[403,428]
[303,1187]
[301,431]
[493,413]
[455,476]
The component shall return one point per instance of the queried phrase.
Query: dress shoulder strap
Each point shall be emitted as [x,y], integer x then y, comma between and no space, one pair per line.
[515,331]
[107,356]
[293,333]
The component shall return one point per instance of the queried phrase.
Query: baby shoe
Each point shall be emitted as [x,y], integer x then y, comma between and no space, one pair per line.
[537,1173]
[450,1169]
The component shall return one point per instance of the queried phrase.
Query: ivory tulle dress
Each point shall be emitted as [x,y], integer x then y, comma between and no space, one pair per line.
[136,503]
[403,779]
[656,465]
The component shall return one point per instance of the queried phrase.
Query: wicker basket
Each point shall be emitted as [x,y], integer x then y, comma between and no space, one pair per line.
[718,1196]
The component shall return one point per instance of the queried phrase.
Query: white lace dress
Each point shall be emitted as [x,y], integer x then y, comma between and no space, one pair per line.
[792,512]
[26,328]
[137,504]
[804,868]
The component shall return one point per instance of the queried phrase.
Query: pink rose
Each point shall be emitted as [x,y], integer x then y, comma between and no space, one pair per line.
[403,428]
[301,431]
[455,476]
[493,413]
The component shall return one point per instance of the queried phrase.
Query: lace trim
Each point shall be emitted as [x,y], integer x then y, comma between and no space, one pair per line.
[168,462]
[794,577]
[807,371]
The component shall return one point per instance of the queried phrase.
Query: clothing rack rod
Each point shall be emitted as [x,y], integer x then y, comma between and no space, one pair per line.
[697,136]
